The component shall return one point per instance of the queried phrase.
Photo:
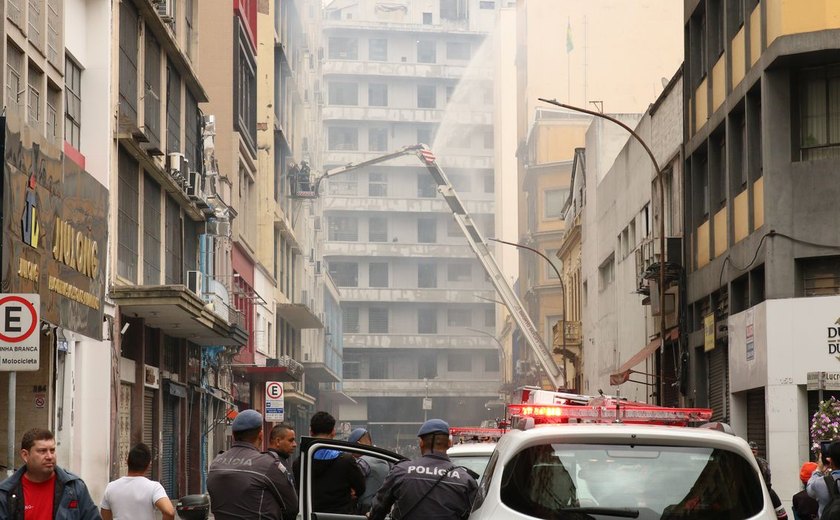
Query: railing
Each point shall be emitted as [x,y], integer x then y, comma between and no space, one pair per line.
[573,332]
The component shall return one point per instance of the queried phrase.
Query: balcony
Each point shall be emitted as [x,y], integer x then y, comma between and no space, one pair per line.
[417,388]
[399,205]
[295,394]
[404,115]
[574,334]
[398,69]
[412,341]
[472,160]
[397,249]
[358,294]
[444,26]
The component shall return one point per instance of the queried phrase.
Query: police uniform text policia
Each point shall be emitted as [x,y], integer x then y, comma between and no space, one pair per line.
[430,487]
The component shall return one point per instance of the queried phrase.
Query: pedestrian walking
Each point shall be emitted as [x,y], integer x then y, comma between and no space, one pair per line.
[430,486]
[805,507]
[134,497]
[336,478]
[282,443]
[245,483]
[764,466]
[42,490]
[824,475]
[374,469]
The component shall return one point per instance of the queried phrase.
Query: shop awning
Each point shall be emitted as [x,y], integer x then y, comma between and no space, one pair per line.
[623,373]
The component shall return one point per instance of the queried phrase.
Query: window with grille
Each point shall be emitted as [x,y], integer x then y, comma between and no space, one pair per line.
[173,109]
[491,362]
[343,48]
[352,370]
[427,276]
[36,21]
[73,103]
[458,362]
[378,229]
[51,116]
[453,230]
[343,229]
[128,221]
[457,50]
[458,318]
[14,74]
[152,91]
[378,367]
[191,130]
[426,51]
[426,230]
[151,231]
[344,93]
[129,39]
[33,100]
[378,274]
[490,318]
[550,273]
[424,136]
[345,274]
[553,201]
[819,105]
[425,186]
[189,12]
[426,96]
[378,49]
[378,320]
[378,142]
[427,321]
[427,366]
[453,10]
[378,95]
[245,89]
[350,319]
[819,276]
[343,138]
[174,254]
[458,272]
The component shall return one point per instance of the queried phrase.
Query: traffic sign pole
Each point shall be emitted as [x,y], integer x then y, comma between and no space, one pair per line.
[10,455]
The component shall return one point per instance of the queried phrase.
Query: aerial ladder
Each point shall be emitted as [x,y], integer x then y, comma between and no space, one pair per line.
[306,186]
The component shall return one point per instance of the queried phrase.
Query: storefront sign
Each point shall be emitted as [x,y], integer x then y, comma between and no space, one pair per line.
[823,381]
[750,334]
[833,337]
[709,332]
[55,231]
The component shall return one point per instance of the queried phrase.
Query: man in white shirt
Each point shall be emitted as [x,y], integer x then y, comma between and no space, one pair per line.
[134,497]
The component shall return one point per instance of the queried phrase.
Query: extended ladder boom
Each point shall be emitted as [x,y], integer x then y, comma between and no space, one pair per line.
[479,247]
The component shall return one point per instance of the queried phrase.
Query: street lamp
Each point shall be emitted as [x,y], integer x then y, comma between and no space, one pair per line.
[661,180]
[562,288]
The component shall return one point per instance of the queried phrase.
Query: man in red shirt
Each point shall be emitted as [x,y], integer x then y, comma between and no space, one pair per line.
[40,490]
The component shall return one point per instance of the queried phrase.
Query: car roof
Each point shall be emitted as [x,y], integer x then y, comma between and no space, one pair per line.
[472,448]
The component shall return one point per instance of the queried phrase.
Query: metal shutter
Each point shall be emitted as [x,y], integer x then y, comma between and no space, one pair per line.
[671,393]
[149,427]
[169,448]
[757,420]
[718,371]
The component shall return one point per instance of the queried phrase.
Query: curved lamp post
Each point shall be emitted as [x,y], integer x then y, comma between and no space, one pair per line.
[562,288]
[661,180]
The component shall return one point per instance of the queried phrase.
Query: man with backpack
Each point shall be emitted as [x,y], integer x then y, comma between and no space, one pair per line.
[822,485]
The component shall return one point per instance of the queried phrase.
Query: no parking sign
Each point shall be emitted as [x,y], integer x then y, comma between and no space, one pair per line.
[19,337]
[275,402]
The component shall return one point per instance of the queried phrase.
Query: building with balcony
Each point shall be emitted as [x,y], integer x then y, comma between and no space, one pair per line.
[410,288]
[761,240]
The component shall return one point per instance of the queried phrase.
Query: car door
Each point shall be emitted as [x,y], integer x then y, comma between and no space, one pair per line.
[308,447]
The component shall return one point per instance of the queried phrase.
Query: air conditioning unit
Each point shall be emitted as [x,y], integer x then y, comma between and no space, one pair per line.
[176,165]
[195,186]
[165,10]
[195,283]
[219,228]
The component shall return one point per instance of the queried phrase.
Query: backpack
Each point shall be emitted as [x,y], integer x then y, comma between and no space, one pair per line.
[831,511]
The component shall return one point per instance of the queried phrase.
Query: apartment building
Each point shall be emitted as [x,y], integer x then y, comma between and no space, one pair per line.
[411,289]
[762,248]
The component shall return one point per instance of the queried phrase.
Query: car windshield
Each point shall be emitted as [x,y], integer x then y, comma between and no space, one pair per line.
[476,463]
[686,483]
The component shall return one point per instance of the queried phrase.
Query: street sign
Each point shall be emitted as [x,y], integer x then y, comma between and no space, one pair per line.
[427,403]
[19,334]
[275,402]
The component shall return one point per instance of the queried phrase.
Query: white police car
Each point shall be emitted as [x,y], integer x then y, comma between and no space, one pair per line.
[605,471]
[472,455]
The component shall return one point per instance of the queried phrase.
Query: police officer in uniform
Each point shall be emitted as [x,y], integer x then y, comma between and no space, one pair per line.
[244,483]
[430,487]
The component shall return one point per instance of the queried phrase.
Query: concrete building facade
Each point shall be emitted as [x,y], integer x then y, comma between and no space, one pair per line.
[411,288]
[760,161]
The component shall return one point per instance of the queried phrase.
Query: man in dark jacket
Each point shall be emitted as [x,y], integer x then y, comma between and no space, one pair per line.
[282,442]
[429,487]
[336,478]
[244,483]
[41,488]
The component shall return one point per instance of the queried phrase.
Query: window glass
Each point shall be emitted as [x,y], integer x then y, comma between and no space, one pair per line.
[658,481]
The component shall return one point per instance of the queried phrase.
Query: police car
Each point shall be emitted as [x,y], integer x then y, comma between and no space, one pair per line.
[473,455]
[599,464]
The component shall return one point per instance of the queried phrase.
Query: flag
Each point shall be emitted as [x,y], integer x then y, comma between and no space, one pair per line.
[569,44]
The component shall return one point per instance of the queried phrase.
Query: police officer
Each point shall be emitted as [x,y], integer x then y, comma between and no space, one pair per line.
[244,483]
[430,487]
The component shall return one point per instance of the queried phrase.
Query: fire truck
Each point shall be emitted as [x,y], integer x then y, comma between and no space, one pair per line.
[307,185]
